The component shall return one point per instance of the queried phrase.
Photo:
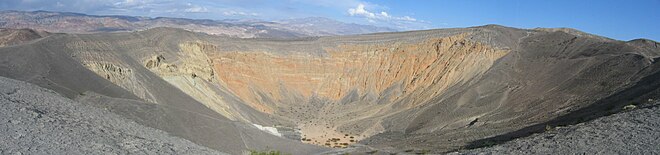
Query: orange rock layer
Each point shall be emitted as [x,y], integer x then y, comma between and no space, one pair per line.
[431,64]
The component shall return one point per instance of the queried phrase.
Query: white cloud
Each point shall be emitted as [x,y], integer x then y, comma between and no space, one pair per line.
[130,3]
[239,13]
[362,12]
[59,4]
[195,9]
[407,18]
[383,17]
[340,4]
[384,14]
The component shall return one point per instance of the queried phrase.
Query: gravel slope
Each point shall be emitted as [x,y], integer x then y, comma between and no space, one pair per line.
[35,120]
[633,132]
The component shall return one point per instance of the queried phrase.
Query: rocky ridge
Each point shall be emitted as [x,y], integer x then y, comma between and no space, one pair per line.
[17,36]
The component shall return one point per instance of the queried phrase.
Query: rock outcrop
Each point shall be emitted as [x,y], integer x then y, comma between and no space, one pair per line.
[101,58]
[192,62]
[191,72]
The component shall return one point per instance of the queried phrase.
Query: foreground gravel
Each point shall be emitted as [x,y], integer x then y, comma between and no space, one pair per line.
[632,132]
[34,120]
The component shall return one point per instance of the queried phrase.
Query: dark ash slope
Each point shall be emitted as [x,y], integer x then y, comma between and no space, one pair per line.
[632,132]
[35,120]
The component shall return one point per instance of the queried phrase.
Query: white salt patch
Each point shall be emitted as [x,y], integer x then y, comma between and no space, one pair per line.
[270,130]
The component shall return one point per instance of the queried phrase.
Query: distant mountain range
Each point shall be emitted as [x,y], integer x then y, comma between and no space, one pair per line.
[66,22]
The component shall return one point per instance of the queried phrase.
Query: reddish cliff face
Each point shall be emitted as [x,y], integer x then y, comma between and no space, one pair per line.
[409,68]
[343,93]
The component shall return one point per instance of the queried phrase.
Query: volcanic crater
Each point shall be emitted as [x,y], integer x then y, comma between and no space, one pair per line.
[425,91]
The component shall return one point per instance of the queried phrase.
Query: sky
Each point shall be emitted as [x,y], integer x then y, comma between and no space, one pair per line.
[617,19]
